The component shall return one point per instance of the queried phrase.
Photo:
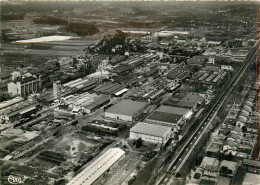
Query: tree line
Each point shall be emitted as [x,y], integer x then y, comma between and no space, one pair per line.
[12,16]
[81,29]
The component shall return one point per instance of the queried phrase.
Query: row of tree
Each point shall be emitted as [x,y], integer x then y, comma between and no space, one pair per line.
[81,29]
[12,16]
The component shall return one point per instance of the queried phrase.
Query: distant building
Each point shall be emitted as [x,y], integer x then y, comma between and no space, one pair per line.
[65,62]
[198,60]
[213,43]
[210,52]
[211,60]
[150,132]
[25,86]
[181,41]
[226,67]
[15,75]
[213,68]
[170,33]
[126,110]
[147,38]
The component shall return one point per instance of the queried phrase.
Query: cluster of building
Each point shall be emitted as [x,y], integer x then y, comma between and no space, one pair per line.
[213,171]
[84,103]
[17,109]
[232,146]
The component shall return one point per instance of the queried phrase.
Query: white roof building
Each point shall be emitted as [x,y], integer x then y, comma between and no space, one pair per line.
[150,132]
[251,179]
[90,174]
[170,33]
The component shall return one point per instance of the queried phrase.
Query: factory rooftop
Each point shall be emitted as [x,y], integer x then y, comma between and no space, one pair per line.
[168,114]
[185,100]
[172,110]
[164,117]
[10,102]
[97,102]
[150,129]
[109,88]
[90,174]
[17,107]
[80,83]
[127,107]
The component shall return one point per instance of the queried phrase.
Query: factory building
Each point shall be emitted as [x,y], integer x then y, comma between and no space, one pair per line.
[168,115]
[109,88]
[188,100]
[85,102]
[97,102]
[17,109]
[92,173]
[126,110]
[25,86]
[72,87]
[81,84]
[150,132]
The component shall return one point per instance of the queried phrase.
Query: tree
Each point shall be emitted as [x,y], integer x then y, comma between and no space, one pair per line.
[57,64]
[244,129]
[225,170]
[178,175]
[139,143]
[4,97]
[195,68]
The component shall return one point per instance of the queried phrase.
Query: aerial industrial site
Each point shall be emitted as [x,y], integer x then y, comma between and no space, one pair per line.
[129,93]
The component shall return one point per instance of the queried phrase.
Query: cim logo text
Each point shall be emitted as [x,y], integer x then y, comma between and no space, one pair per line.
[15,179]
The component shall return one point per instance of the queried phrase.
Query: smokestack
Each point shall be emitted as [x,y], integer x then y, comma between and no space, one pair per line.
[56,85]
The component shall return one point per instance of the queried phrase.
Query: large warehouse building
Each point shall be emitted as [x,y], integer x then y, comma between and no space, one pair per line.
[168,115]
[91,174]
[150,132]
[125,110]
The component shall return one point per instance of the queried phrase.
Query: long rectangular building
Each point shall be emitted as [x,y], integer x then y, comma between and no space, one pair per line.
[109,88]
[22,108]
[125,110]
[80,83]
[90,174]
[8,103]
[150,132]
[98,102]
[168,115]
